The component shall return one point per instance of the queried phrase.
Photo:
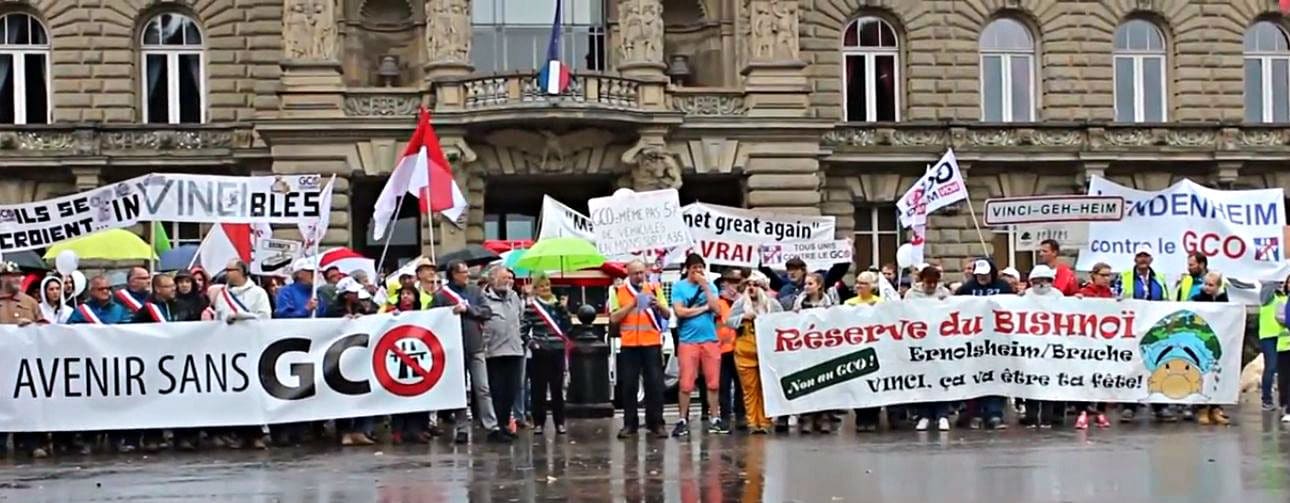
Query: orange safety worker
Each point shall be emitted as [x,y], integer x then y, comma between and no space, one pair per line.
[640,312]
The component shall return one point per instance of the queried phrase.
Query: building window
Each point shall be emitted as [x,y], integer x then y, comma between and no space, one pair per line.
[1007,72]
[510,226]
[1139,73]
[877,235]
[1006,253]
[24,70]
[1267,73]
[183,233]
[870,52]
[174,72]
[514,34]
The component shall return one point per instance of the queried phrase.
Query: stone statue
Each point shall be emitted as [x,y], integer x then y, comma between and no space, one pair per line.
[642,36]
[785,28]
[773,34]
[448,30]
[763,27]
[655,166]
[309,29]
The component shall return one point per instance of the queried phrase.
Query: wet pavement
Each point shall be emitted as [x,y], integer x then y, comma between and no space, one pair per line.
[1172,463]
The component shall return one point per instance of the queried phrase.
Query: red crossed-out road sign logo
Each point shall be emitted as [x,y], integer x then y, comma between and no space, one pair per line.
[408,360]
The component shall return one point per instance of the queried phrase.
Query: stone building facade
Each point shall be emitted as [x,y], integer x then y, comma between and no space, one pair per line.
[804,106]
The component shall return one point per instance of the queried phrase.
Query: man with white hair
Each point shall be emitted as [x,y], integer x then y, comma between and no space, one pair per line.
[1041,283]
[503,343]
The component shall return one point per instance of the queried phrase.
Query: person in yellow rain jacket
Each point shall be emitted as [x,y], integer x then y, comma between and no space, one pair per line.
[753,301]
[1283,355]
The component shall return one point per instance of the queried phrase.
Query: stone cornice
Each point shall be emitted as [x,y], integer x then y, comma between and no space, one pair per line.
[136,143]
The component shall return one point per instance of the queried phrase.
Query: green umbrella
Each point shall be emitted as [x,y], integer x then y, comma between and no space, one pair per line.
[561,255]
[511,258]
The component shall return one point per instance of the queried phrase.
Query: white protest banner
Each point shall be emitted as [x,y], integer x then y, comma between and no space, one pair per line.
[941,186]
[1067,234]
[1085,350]
[161,197]
[1239,230]
[273,257]
[199,374]
[1051,209]
[631,221]
[559,220]
[724,235]
[817,254]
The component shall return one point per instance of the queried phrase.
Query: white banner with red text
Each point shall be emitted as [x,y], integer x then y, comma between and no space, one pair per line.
[199,374]
[1088,350]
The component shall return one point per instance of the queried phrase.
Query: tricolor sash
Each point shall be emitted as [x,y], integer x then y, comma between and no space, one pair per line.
[154,312]
[650,314]
[128,300]
[456,299]
[549,321]
[88,314]
[234,304]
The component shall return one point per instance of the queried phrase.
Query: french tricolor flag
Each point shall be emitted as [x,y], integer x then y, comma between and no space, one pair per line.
[554,77]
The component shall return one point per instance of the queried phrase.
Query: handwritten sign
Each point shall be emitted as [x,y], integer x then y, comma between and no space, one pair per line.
[632,221]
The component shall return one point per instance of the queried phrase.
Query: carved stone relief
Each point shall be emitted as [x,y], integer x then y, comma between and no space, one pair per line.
[546,152]
[642,25]
[448,31]
[656,167]
[774,29]
[309,29]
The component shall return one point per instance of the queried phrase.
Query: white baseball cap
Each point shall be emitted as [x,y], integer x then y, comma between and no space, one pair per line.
[304,264]
[1143,248]
[348,285]
[1043,272]
[981,267]
[1010,271]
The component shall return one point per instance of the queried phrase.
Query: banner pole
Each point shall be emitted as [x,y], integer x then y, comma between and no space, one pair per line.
[389,232]
[430,229]
[984,251]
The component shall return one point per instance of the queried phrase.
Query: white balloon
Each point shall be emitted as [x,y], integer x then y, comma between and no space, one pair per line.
[66,262]
[905,255]
[623,192]
[78,284]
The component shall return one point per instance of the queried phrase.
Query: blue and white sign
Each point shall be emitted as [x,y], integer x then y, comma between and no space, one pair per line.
[1239,230]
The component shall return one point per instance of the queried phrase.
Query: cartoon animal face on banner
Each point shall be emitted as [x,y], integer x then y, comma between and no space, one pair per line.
[1181,353]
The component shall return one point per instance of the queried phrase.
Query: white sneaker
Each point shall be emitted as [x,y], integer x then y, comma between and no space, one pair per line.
[943,424]
[1285,418]
[922,424]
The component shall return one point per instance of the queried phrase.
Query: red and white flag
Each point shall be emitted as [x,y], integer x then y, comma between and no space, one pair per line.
[423,172]
[226,242]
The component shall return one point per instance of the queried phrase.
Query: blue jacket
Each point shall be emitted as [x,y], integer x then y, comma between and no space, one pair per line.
[109,314]
[292,300]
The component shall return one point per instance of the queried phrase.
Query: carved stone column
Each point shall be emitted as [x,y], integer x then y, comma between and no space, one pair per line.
[776,82]
[640,51]
[448,33]
[654,167]
[311,72]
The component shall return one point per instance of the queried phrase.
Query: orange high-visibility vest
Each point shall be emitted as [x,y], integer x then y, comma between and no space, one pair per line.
[725,334]
[635,329]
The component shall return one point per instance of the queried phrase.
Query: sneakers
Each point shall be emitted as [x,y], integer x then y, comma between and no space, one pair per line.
[996,423]
[39,453]
[1102,421]
[943,424]
[923,423]
[499,437]
[718,426]
[1166,415]
[622,434]
[560,429]
[1268,407]
[1286,418]
[659,432]
[1126,415]
[682,429]
[1081,423]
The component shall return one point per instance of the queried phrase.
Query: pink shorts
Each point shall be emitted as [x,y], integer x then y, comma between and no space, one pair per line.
[693,356]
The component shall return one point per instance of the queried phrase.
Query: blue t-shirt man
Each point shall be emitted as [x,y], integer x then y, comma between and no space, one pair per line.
[701,327]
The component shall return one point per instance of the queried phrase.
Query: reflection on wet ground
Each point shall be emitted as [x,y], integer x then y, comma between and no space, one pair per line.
[1138,463]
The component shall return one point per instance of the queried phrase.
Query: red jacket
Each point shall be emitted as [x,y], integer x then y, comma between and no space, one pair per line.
[1065,280]
[1095,291]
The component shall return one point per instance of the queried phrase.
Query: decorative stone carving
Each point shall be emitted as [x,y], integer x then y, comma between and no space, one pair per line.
[1057,138]
[547,152]
[856,137]
[642,25]
[33,140]
[919,137]
[1261,137]
[166,140]
[1191,137]
[656,167]
[1134,137]
[309,29]
[381,105]
[709,104]
[448,31]
[774,29]
[993,137]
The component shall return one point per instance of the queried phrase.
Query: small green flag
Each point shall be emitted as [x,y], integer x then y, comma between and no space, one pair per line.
[160,240]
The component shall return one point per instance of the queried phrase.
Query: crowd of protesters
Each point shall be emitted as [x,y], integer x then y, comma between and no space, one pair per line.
[516,343]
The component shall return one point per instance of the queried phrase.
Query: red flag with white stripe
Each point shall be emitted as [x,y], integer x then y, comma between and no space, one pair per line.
[424,173]
[227,242]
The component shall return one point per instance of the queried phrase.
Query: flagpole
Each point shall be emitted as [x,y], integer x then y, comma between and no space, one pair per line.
[389,232]
[198,254]
[430,229]
[985,251]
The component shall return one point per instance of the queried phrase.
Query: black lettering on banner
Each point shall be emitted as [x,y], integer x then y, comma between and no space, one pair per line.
[302,371]
[331,366]
[134,376]
[165,372]
[190,375]
[24,379]
[237,367]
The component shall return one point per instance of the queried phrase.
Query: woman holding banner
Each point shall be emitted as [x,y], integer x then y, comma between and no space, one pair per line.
[929,288]
[753,301]
[813,296]
[1211,291]
[866,295]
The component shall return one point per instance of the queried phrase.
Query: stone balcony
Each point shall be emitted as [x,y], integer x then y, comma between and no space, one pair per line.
[519,95]
[1058,142]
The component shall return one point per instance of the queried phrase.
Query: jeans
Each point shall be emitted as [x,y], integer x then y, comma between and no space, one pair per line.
[1269,347]
[546,375]
[477,369]
[635,363]
[992,407]
[933,410]
[730,392]
[523,406]
[504,374]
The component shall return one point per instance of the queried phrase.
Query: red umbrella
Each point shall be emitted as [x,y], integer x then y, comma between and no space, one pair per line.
[347,261]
